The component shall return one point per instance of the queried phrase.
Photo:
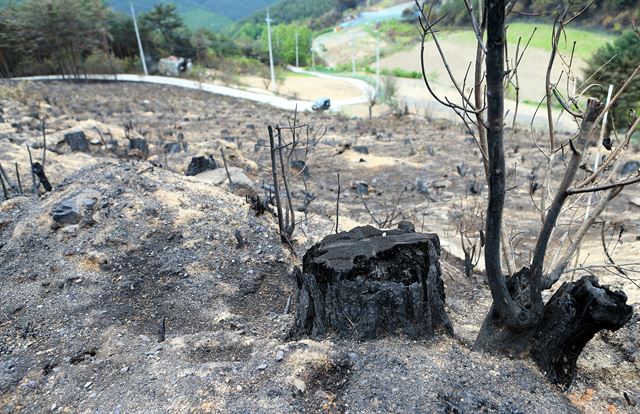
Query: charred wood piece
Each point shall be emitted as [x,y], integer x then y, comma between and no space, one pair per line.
[38,170]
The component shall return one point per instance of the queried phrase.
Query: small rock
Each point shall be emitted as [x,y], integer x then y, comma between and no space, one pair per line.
[71,230]
[422,186]
[362,149]
[362,188]
[124,370]
[300,386]
[279,355]
[67,212]
[321,394]
[145,338]
[262,366]
[88,384]
[89,203]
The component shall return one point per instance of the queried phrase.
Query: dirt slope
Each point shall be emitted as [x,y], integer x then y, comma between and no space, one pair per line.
[81,305]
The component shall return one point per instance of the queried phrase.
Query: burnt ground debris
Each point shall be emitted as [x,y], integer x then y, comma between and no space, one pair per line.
[228,322]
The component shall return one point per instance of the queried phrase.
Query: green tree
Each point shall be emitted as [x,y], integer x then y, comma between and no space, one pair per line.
[624,57]
[284,43]
[123,35]
[52,35]
[165,32]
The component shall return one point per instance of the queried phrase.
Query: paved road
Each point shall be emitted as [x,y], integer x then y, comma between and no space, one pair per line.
[377,16]
[364,87]
[277,101]
[273,100]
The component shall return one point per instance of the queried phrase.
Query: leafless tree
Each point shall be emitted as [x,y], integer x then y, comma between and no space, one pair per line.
[519,321]
[282,153]
[468,218]
[372,100]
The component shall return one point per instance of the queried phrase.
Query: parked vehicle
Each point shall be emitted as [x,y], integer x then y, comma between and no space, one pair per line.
[321,104]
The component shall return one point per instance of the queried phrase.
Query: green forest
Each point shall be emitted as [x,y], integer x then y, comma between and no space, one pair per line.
[86,36]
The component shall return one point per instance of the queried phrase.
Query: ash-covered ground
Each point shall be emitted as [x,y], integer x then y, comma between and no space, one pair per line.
[83,303]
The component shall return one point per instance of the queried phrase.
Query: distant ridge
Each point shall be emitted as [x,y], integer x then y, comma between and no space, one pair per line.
[212,14]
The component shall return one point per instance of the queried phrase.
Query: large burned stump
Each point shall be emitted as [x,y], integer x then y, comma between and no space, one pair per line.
[575,313]
[367,283]
[572,317]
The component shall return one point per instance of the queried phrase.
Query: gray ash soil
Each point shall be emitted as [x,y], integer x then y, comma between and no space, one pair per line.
[81,305]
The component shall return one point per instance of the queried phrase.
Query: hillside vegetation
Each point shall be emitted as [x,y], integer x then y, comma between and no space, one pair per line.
[611,14]
[231,9]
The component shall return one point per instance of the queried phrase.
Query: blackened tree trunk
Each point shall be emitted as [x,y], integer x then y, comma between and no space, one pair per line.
[512,312]
[518,322]
[368,283]
[571,318]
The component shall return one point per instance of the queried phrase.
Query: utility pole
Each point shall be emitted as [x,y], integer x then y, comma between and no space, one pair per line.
[273,74]
[135,26]
[297,60]
[377,63]
[353,52]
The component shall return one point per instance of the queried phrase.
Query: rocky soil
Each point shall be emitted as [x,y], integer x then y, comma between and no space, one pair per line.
[157,292]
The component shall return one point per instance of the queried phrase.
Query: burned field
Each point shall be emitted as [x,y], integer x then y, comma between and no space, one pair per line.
[152,291]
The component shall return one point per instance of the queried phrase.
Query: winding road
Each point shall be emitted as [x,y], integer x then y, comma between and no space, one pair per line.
[273,100]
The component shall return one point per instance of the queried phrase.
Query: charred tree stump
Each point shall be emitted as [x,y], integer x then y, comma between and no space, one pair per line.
[201,164]
[139,147]
[77,141]
[368,283]
[572,317]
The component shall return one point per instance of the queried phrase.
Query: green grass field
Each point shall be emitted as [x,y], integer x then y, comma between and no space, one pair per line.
[587,41]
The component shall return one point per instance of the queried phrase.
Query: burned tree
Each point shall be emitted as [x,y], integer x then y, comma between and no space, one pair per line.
[368,283]
[284,155]
[519,322]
